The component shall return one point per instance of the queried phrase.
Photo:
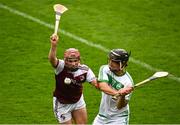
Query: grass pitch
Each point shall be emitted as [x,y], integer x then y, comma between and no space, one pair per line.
[150,29]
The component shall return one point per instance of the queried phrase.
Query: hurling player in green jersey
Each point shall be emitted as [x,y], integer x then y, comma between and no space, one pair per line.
[114,79]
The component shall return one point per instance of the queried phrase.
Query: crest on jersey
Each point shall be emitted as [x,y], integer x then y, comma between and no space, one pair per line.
[67,81]
[82,78]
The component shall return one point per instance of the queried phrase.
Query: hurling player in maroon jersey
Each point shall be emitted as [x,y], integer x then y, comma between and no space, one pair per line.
[70,74]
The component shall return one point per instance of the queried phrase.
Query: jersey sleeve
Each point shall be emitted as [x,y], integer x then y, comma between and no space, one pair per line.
[129,80]
[59,67]
[90,76]
[102,76]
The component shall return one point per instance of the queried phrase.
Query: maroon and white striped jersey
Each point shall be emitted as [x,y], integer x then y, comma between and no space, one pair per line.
[69,84]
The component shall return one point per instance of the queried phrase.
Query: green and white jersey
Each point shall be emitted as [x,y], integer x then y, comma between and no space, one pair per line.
[108,107]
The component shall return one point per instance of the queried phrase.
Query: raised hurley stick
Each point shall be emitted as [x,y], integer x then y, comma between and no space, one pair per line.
[59,9]
[155,76]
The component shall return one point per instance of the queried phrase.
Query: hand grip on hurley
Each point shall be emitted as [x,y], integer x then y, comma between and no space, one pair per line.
[155,76]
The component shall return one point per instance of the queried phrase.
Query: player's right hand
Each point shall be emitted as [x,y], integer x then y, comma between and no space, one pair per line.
[54,39]
[126,90]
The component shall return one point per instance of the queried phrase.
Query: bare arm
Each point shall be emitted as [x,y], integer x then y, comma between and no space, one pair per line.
[103,86]
[95,84]
[121,101]
[52,53]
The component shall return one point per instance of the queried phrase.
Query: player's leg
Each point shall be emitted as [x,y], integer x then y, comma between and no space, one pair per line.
[62,112]
[80,116]
[79,113]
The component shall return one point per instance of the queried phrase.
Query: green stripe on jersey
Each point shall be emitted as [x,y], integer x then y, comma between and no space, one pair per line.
[103,116]
[114,83]
[100,76]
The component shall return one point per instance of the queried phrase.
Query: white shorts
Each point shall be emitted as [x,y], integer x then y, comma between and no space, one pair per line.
[63,111]
[120,120]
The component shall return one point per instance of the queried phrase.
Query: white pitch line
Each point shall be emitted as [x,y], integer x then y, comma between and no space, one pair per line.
[82,40]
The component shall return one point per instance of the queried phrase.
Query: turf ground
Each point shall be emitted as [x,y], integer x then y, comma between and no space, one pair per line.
[149,28]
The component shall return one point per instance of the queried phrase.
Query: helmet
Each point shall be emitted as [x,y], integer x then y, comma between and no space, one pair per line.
[72,53]
[119,55]
[72,59]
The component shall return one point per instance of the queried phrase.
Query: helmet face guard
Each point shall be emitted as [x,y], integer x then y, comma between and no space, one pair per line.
[119,56]
[72,59]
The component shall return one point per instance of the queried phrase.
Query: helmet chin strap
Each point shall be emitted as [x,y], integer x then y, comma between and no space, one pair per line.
[117,71]
[120,66]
